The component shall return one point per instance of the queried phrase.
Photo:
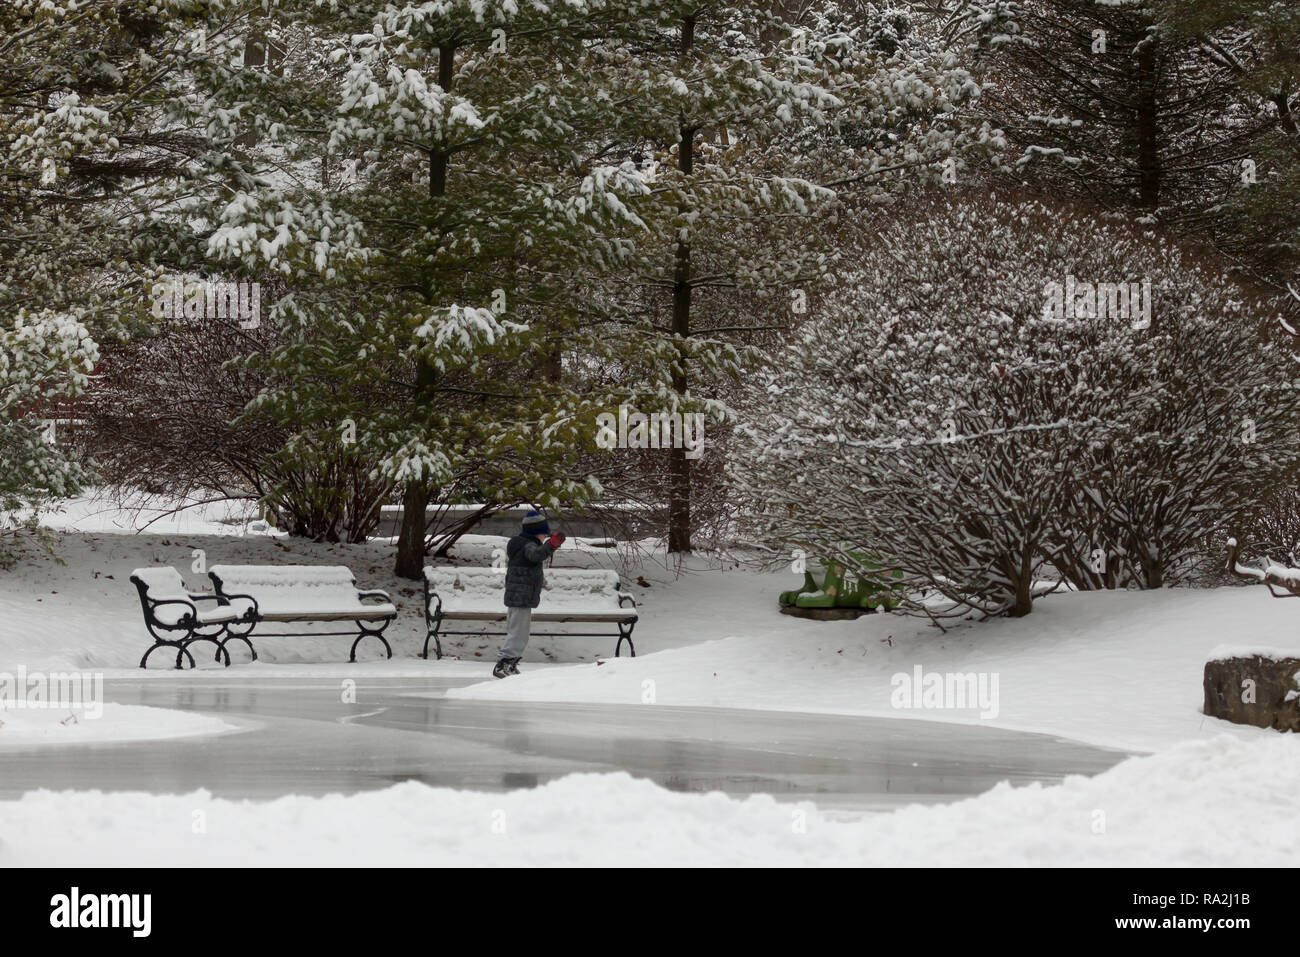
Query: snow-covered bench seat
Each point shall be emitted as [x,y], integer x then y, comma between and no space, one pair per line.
[300,593]
[171,609]
[576,595]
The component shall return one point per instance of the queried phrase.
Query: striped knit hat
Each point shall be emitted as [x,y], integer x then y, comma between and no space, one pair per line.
[535,524]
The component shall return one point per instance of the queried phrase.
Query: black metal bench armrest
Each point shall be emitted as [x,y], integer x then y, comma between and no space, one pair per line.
[375,593]
[252,613]
[622,598]
[430,596]
[156,603]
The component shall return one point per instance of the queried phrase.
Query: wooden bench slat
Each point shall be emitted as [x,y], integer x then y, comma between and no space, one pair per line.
[373,613]
[305,593]
[465,615]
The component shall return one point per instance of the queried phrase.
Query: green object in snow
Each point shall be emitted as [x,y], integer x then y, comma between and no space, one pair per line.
[841,590]
[809,584]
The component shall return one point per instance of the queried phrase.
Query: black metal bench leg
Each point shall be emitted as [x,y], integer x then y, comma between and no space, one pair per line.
[228,635]
[164,644]
[185,652]
[368,633]
[244,638]
[431,631]
[431,627]
[192,639]
[216,640]
[625,634]
[352,655]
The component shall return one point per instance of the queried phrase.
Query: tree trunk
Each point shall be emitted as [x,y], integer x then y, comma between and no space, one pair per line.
[1148,127]
[679,488]
[410,542]
[1024,598]
[415,500]
[263,52]
[1024,579]
[1018,567]
[1153,569]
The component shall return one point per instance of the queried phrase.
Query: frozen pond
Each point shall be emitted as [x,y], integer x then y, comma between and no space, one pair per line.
[298,736]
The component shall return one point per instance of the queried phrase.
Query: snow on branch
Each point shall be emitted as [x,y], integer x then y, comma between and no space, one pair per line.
[1270,573]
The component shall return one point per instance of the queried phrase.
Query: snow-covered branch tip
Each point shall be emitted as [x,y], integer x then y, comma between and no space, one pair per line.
[1269,572]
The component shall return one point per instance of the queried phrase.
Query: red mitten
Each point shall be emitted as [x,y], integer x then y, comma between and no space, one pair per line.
[556,540]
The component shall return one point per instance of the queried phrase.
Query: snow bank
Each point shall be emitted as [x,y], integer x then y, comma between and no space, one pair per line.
[21,728]
[1224,802]
[1117,669]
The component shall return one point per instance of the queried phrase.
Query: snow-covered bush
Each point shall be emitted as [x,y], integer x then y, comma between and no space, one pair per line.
[945,412]
[167,415]
[1274,530]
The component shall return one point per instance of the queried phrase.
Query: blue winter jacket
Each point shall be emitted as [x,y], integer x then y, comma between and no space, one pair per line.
[525,556]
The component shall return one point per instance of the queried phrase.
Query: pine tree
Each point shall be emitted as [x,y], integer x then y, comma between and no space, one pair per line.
[444,257]
[1260,221]
[755,123]
[86,144]
[1104,101]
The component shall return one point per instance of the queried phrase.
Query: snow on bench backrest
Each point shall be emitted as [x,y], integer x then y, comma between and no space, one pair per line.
[483,589]
[290,588]
[163,583]
[467,589]
[587,587]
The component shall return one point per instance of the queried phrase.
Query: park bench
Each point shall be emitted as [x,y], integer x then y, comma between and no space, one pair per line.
[299,593]
[175,612]
[573,595]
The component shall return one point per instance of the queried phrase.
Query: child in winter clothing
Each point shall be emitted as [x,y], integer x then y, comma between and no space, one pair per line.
[526,553]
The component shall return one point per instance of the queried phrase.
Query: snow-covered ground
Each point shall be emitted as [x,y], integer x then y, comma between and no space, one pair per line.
[78,609]
[1114,669]
[103,722]
[109,511]
[1223,802]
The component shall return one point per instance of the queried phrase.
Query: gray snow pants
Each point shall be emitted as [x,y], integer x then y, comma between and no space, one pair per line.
[519,621]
